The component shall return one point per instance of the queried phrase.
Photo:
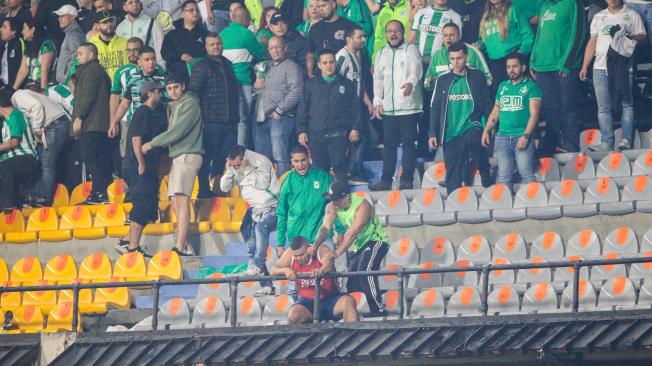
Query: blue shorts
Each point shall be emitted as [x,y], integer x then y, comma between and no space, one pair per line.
[326,307]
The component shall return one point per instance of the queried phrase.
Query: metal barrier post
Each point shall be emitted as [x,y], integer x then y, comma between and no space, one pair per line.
[157,291]
[75,307]
[234,303]
[401,293]
[485,288]
[315,304]
[576,286]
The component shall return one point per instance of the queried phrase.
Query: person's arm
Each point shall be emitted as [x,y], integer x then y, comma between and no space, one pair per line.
[264,169]
[378,78]
[330,215]
[198,79]
[10,145]
[185,114]
[414,70]
[228,179]
[480,63]
[302,110]
[327,259]
[137,143]
[491,124]
[589,53]
[435,113]
[255,48]
[379,39]
[524,30]
[31,108]
[414,28]
[535,107]
[372,6]
[86,92]
[168,51]
[22,74]
[310,64]
[282,267]
[574,38]
[209,12]
[120,112]
[46,62]
[295,87]
[363,214]
[157,42]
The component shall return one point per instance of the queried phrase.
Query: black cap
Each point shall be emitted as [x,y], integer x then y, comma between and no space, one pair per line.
[337,191]
[104,16]
[277,18]
[148,86]
[175,78]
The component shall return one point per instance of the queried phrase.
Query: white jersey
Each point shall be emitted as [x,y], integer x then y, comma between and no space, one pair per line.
[348,66]
[628,19]
[428,23]
[62,95]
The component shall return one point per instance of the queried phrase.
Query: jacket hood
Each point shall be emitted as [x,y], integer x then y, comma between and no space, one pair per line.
[178,24]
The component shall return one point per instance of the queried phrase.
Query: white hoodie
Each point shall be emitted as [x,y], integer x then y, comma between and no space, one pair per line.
[393,68]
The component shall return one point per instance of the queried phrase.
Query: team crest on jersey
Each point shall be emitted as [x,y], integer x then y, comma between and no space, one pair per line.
[524,89]
[342,89]
[339,35]
[316,185]
[402,13]
[12,54]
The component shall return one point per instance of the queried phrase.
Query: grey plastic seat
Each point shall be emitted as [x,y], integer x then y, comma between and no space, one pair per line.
[439,251]
[218,290]
[393,305]
[476,249]
[646,241]
[276,310]
[614,165]
[500,276]
[548,170]
[249,310]
[389,282]
[639,272]
[209,312]
[394,205]
[590,137]
[639,190]
[579,167]
[621,240]
[643,164]
[599,274]
[425,280]
[503,300]
[533,197]
[403,252]
[465,301]
[645,295]
[586,300]
[429,205]
[604,192]
[510,246]
[585,243]
[174,313]
[433,175]
[568,194]
[497,202]
[562,275]
[248,288]
[548,245]
[540,297]
[525,277]
[461,200]
[617,292]
[455,279]
[428,303]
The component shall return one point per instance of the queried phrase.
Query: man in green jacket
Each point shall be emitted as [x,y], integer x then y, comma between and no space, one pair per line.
[392,10]
[184,140]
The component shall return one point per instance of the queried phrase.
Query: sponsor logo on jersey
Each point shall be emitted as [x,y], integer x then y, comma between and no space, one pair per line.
[511,103]
[339,35]
[460,97]
[433,29]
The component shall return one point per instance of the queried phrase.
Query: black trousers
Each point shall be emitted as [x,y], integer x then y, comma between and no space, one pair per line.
[499,72]
[329,150]
[96,156]
[399,130]
[368,258]
[456,154]
[13,172]
[143,190]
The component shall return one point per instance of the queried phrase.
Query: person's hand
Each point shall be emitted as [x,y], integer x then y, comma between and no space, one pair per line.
[244,163]
[318,272]
[354,136]
[228,162]
[276,115]
[141,168]
[583,73]
[522,143]
[378,112]
[432,142]
[370,110]
[290,275]
[145,148]
[280,251]
[187,58]
[113,131]
[534,20]
[210,19]
[533,74]
[486,140]
[303,139]
[39,135]
[77,125]
[407,89]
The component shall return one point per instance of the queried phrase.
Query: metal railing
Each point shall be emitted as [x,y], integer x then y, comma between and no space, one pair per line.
[402,274]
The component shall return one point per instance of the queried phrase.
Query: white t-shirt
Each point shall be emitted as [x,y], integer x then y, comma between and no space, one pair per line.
[602,22]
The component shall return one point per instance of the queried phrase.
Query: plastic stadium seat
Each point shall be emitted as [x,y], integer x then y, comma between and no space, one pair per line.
[622,240]
[281,286]
[117,191]
[646,241]
[465,278]
[525,277]
[614,165]
[10,300]
[86,304]
[394,205]
[590,137]
[607,272]
[61,269]
[248,288]
[503,299]
[46,300]
[643,164]
[61,197]
[29,320]
[465,301]
[96,268]
[27,271]
[45,221]
[427,304]
[533,197]
[617,292]
[80,194]
[540,297]
[430,205]
[159,229]
[585,242]
[174,313]
[392,304]
[130,267]
[433,175]
[548,245]
[403,252]
[638,272]
[568,194]
[4,272]
[510,246]
[232,226]
[249,310]
[112,217]
[463,199]
[388,282]
[209,312]
[439,251]
[165,264]
[500,276]
[587,296]
[498,199]
[212,210]
[276,310]
[566,274]
[548,170]
[78,220]
[60,319]
[425,280]
[113,297]
[476,249]
[645,296]
[605,192]
[639,189]
[12,222]
[580,167]
[360,302]
[219,290]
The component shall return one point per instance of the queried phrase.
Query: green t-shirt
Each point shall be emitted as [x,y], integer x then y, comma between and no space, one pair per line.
[119,84]
[131,91]
[514,103]
[263,36]
[304,28]
[358,12]
[35,69]
[16,127]
[460,108]
[372,231]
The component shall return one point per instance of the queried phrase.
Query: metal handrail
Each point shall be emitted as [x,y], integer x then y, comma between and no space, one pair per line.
[484,271]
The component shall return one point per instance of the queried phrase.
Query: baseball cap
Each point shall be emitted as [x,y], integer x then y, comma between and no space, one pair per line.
[66,10]
[277,18]
[337,191]
[149,86]
[104,16]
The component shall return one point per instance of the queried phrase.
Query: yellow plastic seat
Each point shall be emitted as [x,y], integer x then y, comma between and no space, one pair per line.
[117,191]
[158,229]
[165,265]
[233,226]
[113,297]
[235,192]
[78,220]
[86,304]
[60,319]
[10,300]
[163,189]
[96,268]
[61,197]
[173,216]
[131,267]
[213,210]
[46,300]
[13,222]
[29,319]
[128,206]
[112,217]
[195,189]
[27,270]
[80,194]
[4,272]
[61,269]
[45,222]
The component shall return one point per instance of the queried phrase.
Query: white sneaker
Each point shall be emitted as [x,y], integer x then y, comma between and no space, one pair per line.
[624,144]
[265,291]
[253,270]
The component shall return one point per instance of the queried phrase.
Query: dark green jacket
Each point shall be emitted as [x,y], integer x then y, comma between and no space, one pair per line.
[92,92]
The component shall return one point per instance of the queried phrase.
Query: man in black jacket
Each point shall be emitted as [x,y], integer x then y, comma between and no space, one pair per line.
[11,52]
[214,83]
[297,45]
[460,99]
[329,114]
[185,42]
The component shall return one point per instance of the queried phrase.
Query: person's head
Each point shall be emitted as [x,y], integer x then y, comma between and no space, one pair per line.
[241,15]
[326,62]
[515,64]
[418,4]
[497,10]
[313,10]
[102,5]
[299,159]
[13,4]
[175,85]
[33,7]
[147,60]
[279,25]
[11,28]
[67,15]
[234,5]
[190,12]
[33,34]
[450,34]
[394,31]
[132,7]
[354,37]
[614,4]
[106,20]
[5,103]
[134,45]
[339,194]
[214,45]
[327,9]
[236,154]
[299,250]
[440,4]
[86,52]
[151,93]
[268,12]
[277,48]
[457,53]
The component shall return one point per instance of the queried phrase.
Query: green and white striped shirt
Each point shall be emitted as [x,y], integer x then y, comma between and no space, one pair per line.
[16,127]
[428,23]
[62,95]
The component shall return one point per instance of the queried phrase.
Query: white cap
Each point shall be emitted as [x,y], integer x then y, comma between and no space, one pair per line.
[66,10]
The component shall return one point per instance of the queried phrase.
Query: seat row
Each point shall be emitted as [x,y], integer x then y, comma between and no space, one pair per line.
[30,319]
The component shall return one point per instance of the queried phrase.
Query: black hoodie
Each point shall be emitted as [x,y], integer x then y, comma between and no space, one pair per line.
[179,41]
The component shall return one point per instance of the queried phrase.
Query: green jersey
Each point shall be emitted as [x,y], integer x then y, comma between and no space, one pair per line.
[62,95]
[372,231]
[428,23]
[440,63]
[242,49]
[131,92]
[304,28]
[519,36]
[358,12]
[34,67]
[119,85]
[15,127]
[529,8]
[514,103]
[459,108]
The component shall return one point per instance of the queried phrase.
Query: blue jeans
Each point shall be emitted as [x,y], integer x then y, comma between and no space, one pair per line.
[559,109]
[56,135]
[259,241]
[221,21]
[272,139]
[601,86]
[508,155]
[645,11]
[218,139]
[246,99]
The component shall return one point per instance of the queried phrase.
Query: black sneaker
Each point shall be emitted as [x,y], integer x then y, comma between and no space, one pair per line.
[380,186]
[180,253]
[139,250]
[97,199]
[121,246]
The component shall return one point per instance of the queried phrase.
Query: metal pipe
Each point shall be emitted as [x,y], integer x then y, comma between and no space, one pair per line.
[315,304]
[401,293]
[233,312]
[576,285]
[75,307]
[157,290]
[485,288]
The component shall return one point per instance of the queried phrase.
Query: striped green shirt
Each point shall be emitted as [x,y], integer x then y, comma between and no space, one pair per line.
[16,127]
[428,23]
[62,95]
[35,69]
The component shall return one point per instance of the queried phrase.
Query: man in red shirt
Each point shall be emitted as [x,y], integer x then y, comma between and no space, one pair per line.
[302,259]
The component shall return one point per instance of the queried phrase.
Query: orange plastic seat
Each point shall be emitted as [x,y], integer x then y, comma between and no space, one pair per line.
[112,217]
[86,304]
[80,194]
[29,319]
[78,220]
[61,269]
[60,319]
[27,270]
[61,197]
[113,297]
[96,268]
[131,267]
[46,300]
[165,265]
[211,211]
[117,191]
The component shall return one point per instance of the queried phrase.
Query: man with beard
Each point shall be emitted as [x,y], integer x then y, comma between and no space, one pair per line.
[121,76]
[138,24]
[11,53]
[185,43]
[327,34]
[111,48]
